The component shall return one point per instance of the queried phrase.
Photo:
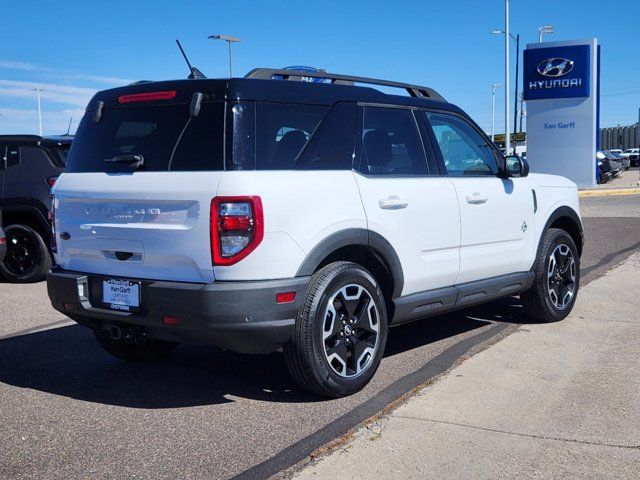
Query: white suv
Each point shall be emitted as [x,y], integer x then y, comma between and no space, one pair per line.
[256,214]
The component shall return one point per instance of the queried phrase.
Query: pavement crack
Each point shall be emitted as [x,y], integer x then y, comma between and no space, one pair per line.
[519,434]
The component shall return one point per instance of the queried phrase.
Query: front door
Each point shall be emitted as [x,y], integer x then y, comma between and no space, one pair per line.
[496,214]
[416,212]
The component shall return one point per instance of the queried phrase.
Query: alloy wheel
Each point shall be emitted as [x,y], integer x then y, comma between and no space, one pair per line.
[561,276]
[350,330]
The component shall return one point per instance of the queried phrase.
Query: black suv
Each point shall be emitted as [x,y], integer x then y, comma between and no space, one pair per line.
[29,167]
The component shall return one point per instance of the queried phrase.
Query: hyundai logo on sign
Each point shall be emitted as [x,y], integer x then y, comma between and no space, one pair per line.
[556,72]
[555,67]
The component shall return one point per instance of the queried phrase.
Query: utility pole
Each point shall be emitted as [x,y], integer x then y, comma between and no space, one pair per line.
[38,90]
[507,139]
[515,98]
[493,109]
[229,39]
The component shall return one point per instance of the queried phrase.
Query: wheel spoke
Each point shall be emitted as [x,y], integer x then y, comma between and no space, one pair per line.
[339,349]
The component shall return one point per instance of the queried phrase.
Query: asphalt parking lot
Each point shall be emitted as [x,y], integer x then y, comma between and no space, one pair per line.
[68,410]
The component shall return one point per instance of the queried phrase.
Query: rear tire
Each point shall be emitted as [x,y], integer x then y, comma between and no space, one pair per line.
[557,279]
[27,259]
[130,351]
[340,332]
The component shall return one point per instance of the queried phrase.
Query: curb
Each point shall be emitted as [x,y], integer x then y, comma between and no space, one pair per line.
[609,191]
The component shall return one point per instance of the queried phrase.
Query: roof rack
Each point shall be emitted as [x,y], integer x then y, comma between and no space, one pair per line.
[413,90]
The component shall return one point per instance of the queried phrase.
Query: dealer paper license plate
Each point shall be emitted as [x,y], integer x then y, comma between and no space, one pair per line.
[121,295]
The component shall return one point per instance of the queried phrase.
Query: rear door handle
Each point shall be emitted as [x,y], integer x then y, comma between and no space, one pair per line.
[477,198]
[394,202]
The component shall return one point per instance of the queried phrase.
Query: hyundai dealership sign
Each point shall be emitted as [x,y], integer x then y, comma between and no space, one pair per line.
[561,87]
[556,72]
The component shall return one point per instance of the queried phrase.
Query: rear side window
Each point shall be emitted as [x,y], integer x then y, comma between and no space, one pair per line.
[391,143]
[165,136]
[282,132]
[12,155]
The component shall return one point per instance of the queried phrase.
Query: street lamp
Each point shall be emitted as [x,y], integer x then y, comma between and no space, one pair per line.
[38,90]
[229,39]
[515,99]
[493,109]
[543,30]
[507,139]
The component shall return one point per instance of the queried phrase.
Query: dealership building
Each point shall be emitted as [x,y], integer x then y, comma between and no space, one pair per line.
[620,137]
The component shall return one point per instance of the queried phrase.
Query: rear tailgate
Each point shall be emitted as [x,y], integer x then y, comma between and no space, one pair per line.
[135,200]
[145,225]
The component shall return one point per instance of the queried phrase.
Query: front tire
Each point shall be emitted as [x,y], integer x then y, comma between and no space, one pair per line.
[557,279]
[131,350]
[27,259]
[340,332]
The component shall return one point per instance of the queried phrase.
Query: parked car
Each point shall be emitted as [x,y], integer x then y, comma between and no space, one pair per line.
[604,171]
[624,161]
[3,240]
[609,159]
[257,214]
[633,154]
[29,168]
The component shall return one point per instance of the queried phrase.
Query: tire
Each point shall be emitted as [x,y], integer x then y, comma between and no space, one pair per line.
[27,259]
[132,351]
[556,284]
[336,348]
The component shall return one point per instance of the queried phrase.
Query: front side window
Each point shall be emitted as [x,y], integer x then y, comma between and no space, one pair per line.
[464,150]
[391,143]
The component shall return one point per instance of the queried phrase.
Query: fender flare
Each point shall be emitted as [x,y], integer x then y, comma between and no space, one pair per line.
[560,212]
[31,207]
[360,237]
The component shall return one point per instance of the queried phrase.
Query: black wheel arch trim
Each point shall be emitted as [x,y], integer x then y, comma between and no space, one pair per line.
[27,206]
[356,237]
[558,213]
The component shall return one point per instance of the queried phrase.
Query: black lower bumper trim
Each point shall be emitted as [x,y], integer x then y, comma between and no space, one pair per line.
[239,316]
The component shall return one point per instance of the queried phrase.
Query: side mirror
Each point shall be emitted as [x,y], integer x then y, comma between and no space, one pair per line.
[516,166]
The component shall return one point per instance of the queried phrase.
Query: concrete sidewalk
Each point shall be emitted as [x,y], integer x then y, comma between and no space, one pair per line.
[550,401]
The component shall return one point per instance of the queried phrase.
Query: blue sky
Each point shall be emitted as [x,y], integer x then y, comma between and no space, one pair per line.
[72,48]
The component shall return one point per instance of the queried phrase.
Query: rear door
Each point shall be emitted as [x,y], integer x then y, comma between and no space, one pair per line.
[413,209]
[496,214]
[147,221]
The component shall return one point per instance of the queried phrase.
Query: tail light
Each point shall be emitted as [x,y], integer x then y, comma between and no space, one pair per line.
[52,181]
[3,240]
[237,228]
[52,221]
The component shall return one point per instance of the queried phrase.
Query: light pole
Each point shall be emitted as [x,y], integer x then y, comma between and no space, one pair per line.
[493,109]
[229,39]
[516,39]
[543,30]
[38,90]
[507,139]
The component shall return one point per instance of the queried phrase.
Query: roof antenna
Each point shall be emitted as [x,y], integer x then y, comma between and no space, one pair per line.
[195,73]
[69,127]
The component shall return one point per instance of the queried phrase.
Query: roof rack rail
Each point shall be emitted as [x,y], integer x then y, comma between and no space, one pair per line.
[413,90]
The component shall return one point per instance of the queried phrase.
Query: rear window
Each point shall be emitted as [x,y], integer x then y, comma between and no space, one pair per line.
[166,137]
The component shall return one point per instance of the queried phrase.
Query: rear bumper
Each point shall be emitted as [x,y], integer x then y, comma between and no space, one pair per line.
[240,316]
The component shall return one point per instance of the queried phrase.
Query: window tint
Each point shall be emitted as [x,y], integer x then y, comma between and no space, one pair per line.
[331,147]
[464,151]
[153,132]
[282,131]
[390,143]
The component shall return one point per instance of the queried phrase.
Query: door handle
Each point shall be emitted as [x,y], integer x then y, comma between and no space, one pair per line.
[393,203]
[477,198]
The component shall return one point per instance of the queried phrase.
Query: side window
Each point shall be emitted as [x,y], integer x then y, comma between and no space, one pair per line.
[331,147]
[391,143]
[13,155]
[463,149]
[282,132]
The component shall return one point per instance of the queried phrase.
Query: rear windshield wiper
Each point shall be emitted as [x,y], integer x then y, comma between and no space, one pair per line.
[134,161]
